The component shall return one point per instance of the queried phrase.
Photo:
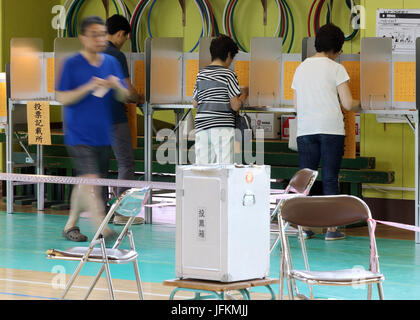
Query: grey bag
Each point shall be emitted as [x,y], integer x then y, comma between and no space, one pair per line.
[243,123]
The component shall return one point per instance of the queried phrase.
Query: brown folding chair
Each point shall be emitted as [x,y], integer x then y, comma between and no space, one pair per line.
[299,186]
[326,211]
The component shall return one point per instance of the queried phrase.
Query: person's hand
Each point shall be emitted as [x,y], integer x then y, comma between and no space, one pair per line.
[356,107]
[142,98]
[96,83]
[113,82]
[245,91]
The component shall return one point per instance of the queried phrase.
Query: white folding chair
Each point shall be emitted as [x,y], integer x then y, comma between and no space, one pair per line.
[327,211]
[300,185]
[130,203]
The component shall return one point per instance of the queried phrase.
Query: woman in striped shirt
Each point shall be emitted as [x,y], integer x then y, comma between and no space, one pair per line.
[217,97]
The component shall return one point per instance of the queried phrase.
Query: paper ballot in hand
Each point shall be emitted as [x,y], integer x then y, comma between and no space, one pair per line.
[100,92]
[102,87]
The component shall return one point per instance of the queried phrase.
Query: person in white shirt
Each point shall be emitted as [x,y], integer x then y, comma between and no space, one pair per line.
[320,86]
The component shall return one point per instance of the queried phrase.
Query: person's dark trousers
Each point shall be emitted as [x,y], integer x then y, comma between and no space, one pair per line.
[328,149]
[123,151]
[92,160]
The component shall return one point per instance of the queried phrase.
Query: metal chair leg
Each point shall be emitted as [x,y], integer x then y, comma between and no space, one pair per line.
[107,271]
[116,245]
[273,295]
[305,258]
[274,244]
[281,284]
[138,280]
[73,278]
[288,280]
[136,266]
[380,291]
[94,283]
[136,271]
[290,288]
[369,292]
[172,295]
[291,267]
[245,293]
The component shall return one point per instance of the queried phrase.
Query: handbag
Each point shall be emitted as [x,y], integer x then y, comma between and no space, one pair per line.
[243,123]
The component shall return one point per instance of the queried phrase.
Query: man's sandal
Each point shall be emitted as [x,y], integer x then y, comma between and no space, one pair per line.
[73,234]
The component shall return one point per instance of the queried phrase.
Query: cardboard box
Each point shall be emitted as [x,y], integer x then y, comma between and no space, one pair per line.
[268,121]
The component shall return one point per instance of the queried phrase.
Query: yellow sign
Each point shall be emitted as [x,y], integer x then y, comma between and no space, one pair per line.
[289,73]
[242,71]
[50,75]
[139,76]
[192,71]
[131,111]
[3,100]
[405,81]
[350,139]
[38,114]
[353,70]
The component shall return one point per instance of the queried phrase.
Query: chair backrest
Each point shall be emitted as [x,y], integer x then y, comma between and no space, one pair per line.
[130,203]
[302,181]
[324,211]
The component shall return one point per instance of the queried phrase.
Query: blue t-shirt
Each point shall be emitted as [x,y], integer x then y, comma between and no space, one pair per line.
[89,121]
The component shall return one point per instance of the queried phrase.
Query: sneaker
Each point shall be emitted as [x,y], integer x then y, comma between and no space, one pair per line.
[122,220]
[336,235]
[308,234]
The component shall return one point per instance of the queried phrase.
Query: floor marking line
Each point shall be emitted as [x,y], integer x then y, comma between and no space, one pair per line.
[26,295]
[96,288]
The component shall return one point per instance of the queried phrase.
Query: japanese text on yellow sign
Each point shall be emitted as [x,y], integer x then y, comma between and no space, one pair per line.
[38,114]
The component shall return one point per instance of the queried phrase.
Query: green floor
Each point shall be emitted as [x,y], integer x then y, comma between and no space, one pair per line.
[25,237]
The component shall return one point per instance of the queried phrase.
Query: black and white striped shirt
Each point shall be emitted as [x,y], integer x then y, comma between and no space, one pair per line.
[214,87]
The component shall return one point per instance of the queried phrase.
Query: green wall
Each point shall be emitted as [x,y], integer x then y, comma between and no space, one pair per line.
[166,21]
[26,19]
[29,18]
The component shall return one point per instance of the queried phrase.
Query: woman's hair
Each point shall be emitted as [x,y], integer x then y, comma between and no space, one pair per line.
[221,46]
[329,38]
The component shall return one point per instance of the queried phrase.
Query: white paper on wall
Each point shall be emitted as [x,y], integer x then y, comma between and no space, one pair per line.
[402,25]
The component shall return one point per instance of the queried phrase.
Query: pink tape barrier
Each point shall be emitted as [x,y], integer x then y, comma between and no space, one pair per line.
[392,224]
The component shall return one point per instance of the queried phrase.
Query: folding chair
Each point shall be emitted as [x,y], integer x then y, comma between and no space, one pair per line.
[130,203]
[300,185]
[327,211]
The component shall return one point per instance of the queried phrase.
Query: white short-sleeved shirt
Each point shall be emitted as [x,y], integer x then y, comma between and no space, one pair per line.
[318,107]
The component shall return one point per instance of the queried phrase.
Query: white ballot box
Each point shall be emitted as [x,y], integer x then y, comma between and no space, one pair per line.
[222,222]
